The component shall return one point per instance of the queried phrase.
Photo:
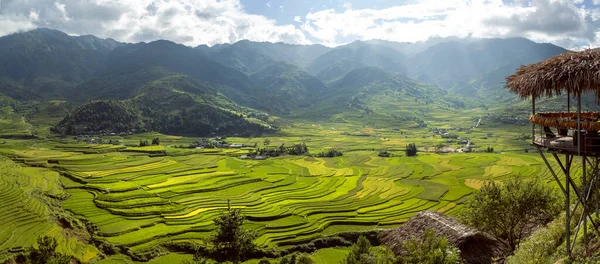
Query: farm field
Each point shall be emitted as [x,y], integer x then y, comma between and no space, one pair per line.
[141,202]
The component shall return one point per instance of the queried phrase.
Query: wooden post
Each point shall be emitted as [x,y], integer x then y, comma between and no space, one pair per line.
[567,207]
[533,125]
[579,139]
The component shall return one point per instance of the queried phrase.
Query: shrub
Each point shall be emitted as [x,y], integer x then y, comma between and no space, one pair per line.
[232,242]
[541,245]
[510,211]
[429,249]
[144,143]
[383,153]
[331,153]
[264,261]
[411,150]
[361,253]
[297,259]
[156,141]
[45,253]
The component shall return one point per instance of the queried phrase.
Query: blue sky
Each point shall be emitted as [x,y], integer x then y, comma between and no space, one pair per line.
[573,24]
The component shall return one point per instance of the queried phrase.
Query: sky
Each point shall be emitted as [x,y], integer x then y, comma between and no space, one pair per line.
[573,24]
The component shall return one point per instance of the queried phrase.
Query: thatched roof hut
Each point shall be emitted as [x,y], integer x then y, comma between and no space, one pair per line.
[573,73]
[474,246]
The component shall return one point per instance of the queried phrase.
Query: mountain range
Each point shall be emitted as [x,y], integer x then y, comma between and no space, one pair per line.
[172,88]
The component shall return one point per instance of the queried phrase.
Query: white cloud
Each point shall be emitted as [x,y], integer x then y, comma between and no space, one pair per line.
[540,20]
[190,22]
[210,22]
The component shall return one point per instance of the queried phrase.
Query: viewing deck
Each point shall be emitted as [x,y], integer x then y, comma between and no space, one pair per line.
[558,132]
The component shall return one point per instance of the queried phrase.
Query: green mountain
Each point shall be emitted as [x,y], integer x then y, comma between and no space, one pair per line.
[175,105]
[44,63]
[371,94]
[287,87]
[172,88]
[451,65]
[338,62]
[248,56]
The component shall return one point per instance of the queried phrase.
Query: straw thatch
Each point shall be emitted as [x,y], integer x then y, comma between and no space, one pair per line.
[571,72]
[474,246]
[589,120]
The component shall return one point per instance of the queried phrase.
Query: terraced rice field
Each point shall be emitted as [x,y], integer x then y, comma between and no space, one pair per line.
[141,201]
[25,214]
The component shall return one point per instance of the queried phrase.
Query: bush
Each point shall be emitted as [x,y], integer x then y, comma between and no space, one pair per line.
[384,154]
[45,253]
[541,245]
[429,249]
[297,259]
[331,153]
[156,141]
[509,211]
[144,143]
[411,150]
[232,242]
[264,261]
[361,253]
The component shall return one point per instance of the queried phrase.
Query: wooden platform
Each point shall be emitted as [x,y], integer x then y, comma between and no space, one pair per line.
[566,144]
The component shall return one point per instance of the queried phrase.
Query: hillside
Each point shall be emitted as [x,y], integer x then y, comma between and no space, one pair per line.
[287,87]
[288,81]
[175,105]
[45,63]
[451,65]
[371,94]
[338,62]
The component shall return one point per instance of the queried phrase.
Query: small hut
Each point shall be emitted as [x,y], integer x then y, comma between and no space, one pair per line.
[474,246]
[569,133]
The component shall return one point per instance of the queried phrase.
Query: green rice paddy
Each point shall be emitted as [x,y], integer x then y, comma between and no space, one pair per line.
[140,200]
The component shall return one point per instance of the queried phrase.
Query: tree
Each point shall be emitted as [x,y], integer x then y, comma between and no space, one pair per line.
[361,253]
[232,242]
[429,249]
[46,252]
[297,259]
[144,143]
[156,141]
[411,150]
[267,142]
[510,211]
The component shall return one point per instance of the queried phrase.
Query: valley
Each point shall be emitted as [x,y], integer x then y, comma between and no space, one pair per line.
[76,165]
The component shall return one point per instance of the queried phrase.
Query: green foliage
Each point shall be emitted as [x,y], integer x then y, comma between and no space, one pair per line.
[411,150]
[297,259]
[510,211]
[155,141]
[296,150]
[45,253]
[361,253]
[384,154]
[232,242]
[264,261]
[144,143]
[332,153]
[101,117]
[430,249]
[542,245]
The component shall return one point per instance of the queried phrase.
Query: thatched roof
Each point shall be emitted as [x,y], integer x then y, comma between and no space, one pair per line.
[571,73]
[474,246]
